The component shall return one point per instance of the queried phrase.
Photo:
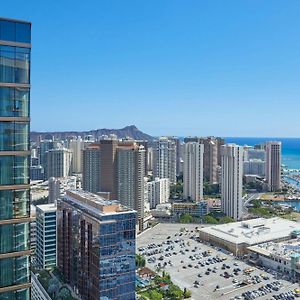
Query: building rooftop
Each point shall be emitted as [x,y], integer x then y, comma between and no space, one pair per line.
[286,250]
[94,204]
[14,20]
[47,207]
[253,231]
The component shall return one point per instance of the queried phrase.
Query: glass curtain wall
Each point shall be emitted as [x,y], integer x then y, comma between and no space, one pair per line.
[15,47]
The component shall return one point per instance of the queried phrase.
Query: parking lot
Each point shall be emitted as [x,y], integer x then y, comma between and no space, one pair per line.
[209,272]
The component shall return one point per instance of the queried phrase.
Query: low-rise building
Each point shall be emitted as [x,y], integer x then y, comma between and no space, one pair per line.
[195,209]
[37,290]
[237,237]
[214,205]
[162,211]
[158,191]
[283,257]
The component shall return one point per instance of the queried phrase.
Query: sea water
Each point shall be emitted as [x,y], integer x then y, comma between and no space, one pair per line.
[290,148]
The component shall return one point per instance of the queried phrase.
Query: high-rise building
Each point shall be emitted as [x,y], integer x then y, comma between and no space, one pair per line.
[210,159]
[273,165]
[46,235]
[91,162]
[210,156]
[255,167]
[177,142]
[96,246]
[164,159]
[37,173]
[220,142]
[256,154]
[150,159]
[193,171]
[145,144]
[232,180]
[59,162]
[54,189]
[15,47]
[108,170]
[130,178]
[158,191]
[76,146]
[44,147]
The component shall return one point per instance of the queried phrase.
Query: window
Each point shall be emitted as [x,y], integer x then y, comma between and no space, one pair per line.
[14,271]
[7,30]
[14,204]
[14,170]
[14,64]
[23,33]
[14,102]
[14,136]
[15,31]
[14,237]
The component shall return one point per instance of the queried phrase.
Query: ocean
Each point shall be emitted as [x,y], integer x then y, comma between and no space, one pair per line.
[290,148]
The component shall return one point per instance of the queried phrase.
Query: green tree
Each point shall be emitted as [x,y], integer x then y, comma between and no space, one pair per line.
[64,293]
[210,220]
[174,292]
[256,203]
[186,218]
[187,293]
[155,295]
[176,190]
[211,188]
[140,261]
[226,219]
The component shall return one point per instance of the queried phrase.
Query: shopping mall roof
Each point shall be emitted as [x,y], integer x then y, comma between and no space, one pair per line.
[253,231]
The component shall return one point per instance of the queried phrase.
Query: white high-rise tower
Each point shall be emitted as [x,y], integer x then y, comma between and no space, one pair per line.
[164,159]
[232,180]
[77,146]
[193,171]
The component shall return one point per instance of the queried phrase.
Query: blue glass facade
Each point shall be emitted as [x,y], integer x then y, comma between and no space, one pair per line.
[46,236]
[117,257]
[15,47]
[96,251]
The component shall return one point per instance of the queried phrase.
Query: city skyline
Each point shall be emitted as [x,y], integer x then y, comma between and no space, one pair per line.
[209,65]
[94,214]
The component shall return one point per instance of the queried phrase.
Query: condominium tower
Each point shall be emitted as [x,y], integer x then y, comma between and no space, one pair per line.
[96,246]
[91,158]
[164,159]
[15,47]
[59,162]
[273,165]
[76,146]
[108,170]
[210,156]
[130,178]
[193,171]
[54,189]
[177,142]
[232,180]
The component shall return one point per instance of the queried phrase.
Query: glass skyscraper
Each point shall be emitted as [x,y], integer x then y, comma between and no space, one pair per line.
[15,46]
[96,246]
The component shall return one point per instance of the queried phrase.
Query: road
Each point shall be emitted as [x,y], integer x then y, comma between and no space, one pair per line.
[249,197]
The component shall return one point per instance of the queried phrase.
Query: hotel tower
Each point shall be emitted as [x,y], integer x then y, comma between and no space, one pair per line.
[15,45]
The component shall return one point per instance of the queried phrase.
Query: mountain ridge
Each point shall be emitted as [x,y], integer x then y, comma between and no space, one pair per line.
[130,131]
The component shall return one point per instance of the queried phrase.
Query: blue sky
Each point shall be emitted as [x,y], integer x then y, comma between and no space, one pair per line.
[182,67]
